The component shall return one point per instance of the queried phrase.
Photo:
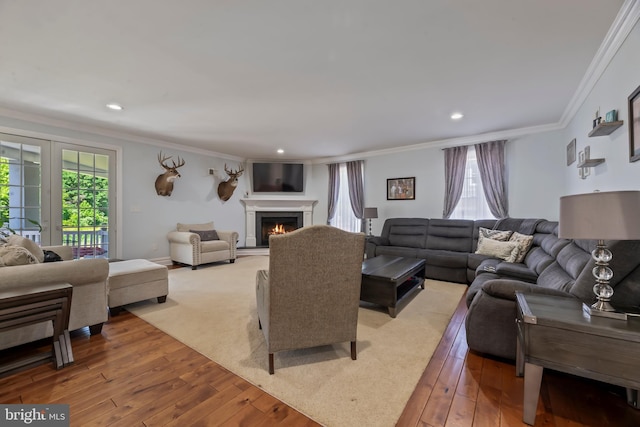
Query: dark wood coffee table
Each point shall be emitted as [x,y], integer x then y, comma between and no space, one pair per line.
[389,280]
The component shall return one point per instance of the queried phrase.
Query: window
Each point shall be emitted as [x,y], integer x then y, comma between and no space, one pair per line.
[472,204]
[344,217]
[21,187]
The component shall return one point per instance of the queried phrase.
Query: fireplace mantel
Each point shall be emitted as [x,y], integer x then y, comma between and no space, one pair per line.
[253,205]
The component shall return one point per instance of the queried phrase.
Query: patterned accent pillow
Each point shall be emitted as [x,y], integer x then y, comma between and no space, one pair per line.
[497,249]
[501,235]
[16,255]
[524,242]
[206,235]
[28,244]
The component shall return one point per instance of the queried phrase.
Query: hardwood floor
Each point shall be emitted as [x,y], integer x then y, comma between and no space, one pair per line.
[135,375]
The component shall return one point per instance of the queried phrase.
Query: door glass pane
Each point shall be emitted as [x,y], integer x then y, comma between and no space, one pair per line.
[20,189]
[85,207]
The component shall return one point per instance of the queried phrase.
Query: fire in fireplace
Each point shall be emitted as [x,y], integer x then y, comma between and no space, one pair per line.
[269,223]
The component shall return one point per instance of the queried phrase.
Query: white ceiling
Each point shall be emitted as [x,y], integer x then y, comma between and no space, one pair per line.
[323,78]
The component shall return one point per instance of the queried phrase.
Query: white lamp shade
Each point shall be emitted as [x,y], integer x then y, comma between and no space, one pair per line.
[370,213]
[610,215]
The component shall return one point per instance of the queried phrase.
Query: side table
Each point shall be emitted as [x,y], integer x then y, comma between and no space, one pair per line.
[554,332]
[29,305]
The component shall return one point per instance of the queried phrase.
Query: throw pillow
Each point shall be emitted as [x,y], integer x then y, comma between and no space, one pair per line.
[28,244]
[206,235]
[524,243]
[50,256]
[502,235]
[15,255]
[498,249]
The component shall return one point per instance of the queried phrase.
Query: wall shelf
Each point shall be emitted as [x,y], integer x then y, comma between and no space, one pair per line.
[605,128]
[589,163]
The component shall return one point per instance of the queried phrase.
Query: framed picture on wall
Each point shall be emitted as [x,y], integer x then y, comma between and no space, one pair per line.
[571,152]
[401,188]
[634,125]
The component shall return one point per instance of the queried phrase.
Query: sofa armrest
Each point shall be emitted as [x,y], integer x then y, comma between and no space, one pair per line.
[372,242]
[77,273]
[506,289]
[232,238]
[517,271]
[378,241]
[65,252]
[229,236]
[183,237]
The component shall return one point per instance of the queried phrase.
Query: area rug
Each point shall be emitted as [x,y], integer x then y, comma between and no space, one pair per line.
[213,310]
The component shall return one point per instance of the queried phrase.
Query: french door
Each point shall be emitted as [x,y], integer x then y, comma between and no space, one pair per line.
[58,193]
[23,191]
[84,199]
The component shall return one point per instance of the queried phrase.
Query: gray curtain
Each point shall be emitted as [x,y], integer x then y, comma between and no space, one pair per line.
[334,185]
[490,157]
[455,161]
[356,188]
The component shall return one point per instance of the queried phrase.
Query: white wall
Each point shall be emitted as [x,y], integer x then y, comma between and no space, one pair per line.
[620,79]
[535,173]
[148,217]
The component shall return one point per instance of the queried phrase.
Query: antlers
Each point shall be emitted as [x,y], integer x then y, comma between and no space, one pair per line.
[232,173]
[162,159]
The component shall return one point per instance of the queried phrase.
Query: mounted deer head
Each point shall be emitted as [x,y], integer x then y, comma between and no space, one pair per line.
[164,182]
[226,188]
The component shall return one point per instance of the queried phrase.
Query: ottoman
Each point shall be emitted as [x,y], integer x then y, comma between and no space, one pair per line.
[135,280]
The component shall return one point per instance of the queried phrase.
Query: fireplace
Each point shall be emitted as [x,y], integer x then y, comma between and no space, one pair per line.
[268,223]
[272,207]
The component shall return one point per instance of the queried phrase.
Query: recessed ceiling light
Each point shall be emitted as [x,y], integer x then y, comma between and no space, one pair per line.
[280,151]
[457,116]
[114,106]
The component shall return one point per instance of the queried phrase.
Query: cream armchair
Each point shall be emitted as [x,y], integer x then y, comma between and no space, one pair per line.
[311,293]
[195,248]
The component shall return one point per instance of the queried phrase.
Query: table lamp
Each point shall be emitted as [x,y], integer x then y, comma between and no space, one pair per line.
[611,215]
[370,213]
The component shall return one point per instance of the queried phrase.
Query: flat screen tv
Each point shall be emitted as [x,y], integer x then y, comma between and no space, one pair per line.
[278,177]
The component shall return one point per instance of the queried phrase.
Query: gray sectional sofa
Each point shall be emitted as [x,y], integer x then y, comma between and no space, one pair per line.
[552,266]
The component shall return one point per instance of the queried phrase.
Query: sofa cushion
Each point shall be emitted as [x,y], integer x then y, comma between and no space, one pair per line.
[187,227]
[51,256]
[563,272]
[206,235]
[450,259]
[28,244]
[517,271]
[523,242]
[450,235]
[407,236]
[495,248]
[501,235]
[214,246]
[11,255]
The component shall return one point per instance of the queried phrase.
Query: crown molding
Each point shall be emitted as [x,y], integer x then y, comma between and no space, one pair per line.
[444,143]
[71,126]
[618,32]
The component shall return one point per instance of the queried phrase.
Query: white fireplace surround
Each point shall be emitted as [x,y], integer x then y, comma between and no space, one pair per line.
[252,205]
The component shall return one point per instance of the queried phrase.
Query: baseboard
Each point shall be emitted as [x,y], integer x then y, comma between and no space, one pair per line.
[162,261]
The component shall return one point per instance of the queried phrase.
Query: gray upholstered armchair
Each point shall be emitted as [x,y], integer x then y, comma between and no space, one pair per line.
[311,293]
[195,244]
